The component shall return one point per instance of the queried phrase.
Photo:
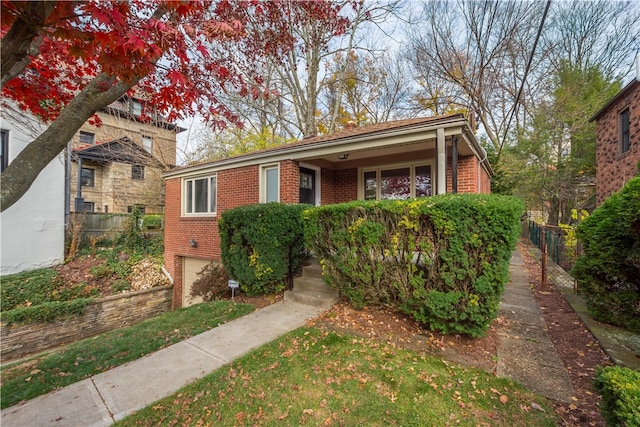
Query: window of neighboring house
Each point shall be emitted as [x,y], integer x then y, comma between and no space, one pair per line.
[200,195]
[270,184]
[4,151]
[89,207]
[136,108]
[147,143]
[397,183]
[88,177]
[624,130]
[87,138]
[141,208]
[137,172]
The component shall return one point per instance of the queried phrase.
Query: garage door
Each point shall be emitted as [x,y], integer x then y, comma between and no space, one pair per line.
[191,267]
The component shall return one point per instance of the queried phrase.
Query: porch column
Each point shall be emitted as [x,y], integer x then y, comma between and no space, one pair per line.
[441,187]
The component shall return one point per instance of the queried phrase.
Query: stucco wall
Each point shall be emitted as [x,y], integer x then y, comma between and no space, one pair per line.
[32,230]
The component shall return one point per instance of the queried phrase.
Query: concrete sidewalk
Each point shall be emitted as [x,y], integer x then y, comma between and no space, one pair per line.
[112,395]
[525,352]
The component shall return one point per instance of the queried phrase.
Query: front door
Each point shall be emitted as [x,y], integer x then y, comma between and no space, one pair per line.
[307,186]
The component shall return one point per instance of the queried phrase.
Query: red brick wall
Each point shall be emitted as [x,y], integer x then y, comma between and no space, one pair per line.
[327,187]
[614,169]
[346,185]
[236,187]
[289,182]
[472,178]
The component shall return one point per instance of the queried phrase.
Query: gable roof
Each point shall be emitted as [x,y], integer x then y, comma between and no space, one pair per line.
[615,99]
[121,150]
[346,136]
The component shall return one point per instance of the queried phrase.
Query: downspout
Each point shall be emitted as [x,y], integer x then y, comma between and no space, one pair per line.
[166,273]
[67,188]
[454,165]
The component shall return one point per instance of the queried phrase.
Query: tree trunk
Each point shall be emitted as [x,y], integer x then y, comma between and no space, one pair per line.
[25,168]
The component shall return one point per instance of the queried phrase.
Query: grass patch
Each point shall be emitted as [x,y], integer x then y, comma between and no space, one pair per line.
[316,377]
[82,359]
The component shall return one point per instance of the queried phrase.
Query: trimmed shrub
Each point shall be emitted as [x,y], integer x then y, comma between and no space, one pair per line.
[212,283]
[620,390]
[444,260]
[608,272]
[46,312]
[260,244]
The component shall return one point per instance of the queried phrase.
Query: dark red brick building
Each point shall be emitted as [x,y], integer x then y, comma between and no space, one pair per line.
[617,141]
[394,160]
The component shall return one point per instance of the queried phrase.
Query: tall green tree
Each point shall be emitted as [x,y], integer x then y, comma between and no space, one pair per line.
[559,147]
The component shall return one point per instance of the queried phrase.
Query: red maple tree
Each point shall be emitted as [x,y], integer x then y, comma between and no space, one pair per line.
[64,61]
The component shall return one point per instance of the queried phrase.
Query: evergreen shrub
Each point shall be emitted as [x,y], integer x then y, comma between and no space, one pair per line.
[608,271]
[261,243]
[444,260]
[620,390]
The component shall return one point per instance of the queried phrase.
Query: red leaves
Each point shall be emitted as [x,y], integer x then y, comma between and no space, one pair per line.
[181,54]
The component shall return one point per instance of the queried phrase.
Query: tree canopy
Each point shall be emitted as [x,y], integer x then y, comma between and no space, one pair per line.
[63,61]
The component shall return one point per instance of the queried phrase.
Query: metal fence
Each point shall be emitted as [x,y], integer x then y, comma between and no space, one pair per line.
[554,238]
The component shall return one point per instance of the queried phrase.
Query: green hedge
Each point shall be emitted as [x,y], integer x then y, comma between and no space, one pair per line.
[608,272]
[620,389]
[444,260]
[259,243]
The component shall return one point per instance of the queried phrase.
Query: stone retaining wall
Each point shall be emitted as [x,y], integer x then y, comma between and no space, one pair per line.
[19,340]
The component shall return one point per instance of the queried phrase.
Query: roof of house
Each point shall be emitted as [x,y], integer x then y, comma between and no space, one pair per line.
[122,108]
[121,150]
[634,83]
[341,137]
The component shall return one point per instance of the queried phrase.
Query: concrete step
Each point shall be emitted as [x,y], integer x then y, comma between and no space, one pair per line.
[312,284]
[310,289]
[322,300]
[312,270]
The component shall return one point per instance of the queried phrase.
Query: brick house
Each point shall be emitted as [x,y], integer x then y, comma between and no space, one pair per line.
[618,140]
[393,160]
[122,161]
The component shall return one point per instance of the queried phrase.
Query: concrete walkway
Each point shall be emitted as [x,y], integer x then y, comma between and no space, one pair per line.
[525,352]
[622,346]
[112,395]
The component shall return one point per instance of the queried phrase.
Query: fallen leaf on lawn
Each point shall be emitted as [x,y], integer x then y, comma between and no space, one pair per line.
[537,407]
[307,411]
[573,407]
[503,399]
[27,379]
[35,371]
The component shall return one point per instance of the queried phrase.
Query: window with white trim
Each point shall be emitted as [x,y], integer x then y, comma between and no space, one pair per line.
[270,184]
[199,195]
[147,143]
[396,182]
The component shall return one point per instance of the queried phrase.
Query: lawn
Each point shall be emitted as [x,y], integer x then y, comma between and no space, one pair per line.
[82,359]
[315,376]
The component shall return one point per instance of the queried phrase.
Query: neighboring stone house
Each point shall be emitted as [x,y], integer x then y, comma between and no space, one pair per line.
[618,140]
[121,161]
[394,160]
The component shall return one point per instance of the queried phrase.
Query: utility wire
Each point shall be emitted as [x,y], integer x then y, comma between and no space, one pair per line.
[524,78]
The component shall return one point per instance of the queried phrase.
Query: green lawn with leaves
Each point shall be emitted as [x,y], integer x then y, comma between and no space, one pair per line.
[82,359]
[318,377]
